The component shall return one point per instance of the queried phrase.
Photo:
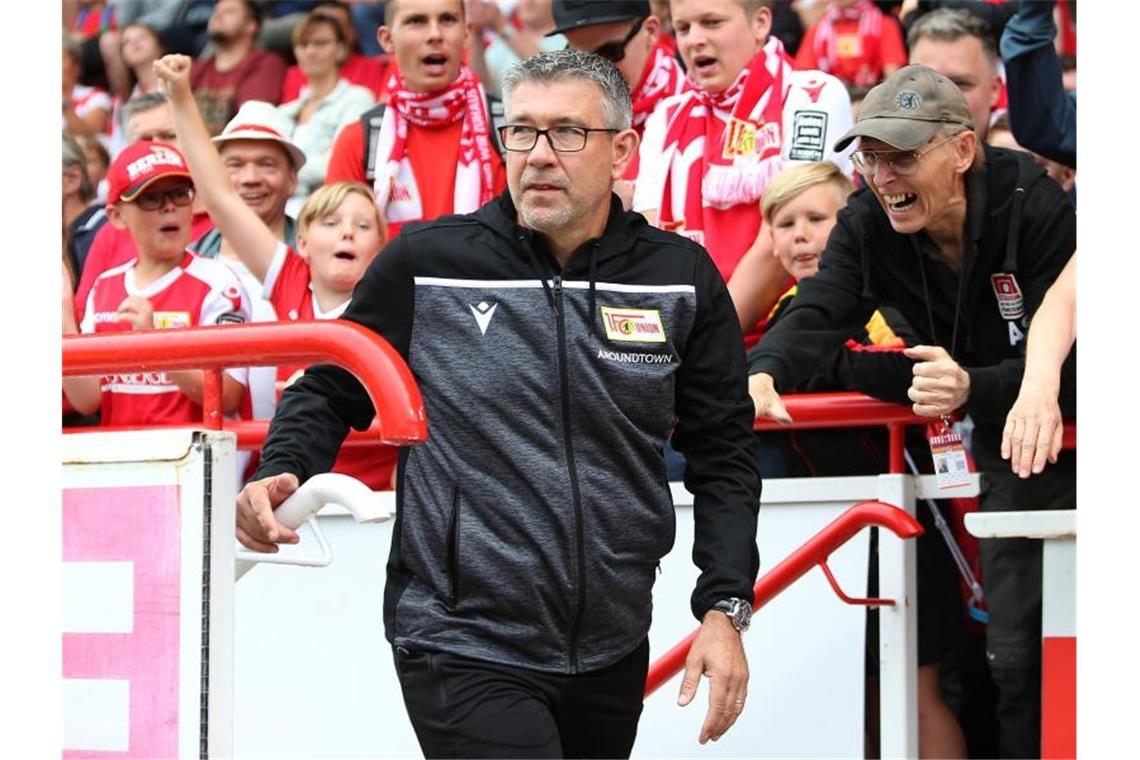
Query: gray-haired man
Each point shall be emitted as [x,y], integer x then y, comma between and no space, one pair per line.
[557,341]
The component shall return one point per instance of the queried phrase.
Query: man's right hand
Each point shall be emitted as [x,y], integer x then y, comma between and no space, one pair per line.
[257,528]
[762,389]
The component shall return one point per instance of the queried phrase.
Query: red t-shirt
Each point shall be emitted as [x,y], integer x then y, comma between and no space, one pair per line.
[287,288]
[196,292]
[370,72]
[859,58]
[114,247]
[346,159]
[221,93]
[432,152]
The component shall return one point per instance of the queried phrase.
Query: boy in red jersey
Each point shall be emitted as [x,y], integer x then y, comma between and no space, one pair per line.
[339,232]
[165,287]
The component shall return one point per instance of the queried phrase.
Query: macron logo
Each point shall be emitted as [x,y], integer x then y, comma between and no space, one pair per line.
[483,313]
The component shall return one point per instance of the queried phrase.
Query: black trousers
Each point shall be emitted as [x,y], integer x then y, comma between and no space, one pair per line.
[461,707]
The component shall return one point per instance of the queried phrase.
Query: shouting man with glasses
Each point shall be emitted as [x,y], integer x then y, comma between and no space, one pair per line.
[557,340]
[626,33]
[964,240]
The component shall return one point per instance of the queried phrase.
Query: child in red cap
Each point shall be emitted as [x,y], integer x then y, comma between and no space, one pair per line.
[165,287]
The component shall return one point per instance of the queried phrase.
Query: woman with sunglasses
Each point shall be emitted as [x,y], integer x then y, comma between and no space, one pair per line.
[708,154]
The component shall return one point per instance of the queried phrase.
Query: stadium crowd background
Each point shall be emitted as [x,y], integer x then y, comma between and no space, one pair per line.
[99,42]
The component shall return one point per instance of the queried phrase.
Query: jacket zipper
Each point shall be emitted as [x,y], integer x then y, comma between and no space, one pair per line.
[575,494]
[453,550]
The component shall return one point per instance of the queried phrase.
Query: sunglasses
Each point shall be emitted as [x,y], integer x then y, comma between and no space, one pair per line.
[614,51]
[156,199]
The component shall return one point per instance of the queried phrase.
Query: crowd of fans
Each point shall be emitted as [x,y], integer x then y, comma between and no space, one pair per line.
[241,160]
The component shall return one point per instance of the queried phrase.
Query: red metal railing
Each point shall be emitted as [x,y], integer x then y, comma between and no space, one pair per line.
[399,408]
[830,410]
[389,382]
[834,410]
[814,552]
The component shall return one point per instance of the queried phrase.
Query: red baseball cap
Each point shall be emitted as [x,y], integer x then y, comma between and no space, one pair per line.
[140,164]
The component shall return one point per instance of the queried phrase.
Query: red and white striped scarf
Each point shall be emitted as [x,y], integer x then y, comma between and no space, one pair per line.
[463,100]
[722,150]
[859,71]
[661,78]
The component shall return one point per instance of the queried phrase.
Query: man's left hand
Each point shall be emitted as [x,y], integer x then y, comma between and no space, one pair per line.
[718,654]
[940,385]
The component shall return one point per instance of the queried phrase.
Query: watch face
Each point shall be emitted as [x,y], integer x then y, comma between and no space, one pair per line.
[742,617]
[739,612]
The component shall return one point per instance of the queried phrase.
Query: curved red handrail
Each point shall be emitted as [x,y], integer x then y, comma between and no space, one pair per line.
[817,549]
[400,415]
[829,410]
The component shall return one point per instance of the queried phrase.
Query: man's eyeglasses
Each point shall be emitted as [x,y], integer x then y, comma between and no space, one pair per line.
[156,199]
[563,138]
[614,50]
[901,162]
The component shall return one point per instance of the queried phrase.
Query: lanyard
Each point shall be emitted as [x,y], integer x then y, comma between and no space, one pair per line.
[946,421]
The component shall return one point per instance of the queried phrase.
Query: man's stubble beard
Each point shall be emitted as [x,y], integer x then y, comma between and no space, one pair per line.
[546,220]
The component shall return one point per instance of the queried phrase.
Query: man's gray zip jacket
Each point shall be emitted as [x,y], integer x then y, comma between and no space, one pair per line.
[531,522]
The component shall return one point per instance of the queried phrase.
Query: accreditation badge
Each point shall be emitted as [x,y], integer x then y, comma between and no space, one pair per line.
[951,470]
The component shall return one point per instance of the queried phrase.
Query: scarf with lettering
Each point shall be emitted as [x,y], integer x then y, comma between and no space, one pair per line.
[722,149]
[856,65]
[463,100]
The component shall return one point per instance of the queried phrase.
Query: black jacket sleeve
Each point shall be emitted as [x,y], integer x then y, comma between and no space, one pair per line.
[1048,238]
[316,412]
[828,309]
[880,371]
[714,432]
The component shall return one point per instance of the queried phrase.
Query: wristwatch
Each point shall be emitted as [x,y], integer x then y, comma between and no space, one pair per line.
[739,612]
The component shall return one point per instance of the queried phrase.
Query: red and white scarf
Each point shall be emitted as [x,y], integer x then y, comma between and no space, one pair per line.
[661,78]
[722,150]
[858,69]
[463,100]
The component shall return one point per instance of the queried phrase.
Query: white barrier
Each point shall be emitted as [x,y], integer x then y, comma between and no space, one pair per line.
[313,639]
[1058,530]
[148,594]
[309,642]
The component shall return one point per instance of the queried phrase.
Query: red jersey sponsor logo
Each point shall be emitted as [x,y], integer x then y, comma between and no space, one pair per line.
[139,378]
